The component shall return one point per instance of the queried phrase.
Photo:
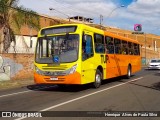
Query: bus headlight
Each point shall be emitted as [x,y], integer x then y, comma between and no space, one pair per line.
[73,69]
[38,71]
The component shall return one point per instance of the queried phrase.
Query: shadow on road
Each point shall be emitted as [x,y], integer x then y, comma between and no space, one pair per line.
[64,88]
[70,88]
[157,74]
[155,86]
[112,80]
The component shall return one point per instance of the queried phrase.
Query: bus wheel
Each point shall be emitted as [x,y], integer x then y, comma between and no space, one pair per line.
[129,72]
[98,79]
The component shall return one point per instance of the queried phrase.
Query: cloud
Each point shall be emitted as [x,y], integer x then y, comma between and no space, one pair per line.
[79,1]
[94,9]
[145,12]
[88,8]
[145,7]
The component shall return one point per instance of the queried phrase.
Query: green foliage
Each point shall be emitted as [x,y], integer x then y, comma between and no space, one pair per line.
[14,17]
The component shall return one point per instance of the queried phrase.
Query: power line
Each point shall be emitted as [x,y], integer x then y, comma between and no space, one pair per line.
[62,5]
[70,7]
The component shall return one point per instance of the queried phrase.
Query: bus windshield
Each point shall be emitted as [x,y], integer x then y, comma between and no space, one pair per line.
[57,49]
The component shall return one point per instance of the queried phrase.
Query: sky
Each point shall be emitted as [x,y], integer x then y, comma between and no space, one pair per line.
[144,12]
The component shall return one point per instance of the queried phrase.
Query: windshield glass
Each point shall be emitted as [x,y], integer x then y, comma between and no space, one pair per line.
[155,61]
[57,49]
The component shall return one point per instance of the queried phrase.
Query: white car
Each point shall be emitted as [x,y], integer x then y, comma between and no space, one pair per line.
[154,64]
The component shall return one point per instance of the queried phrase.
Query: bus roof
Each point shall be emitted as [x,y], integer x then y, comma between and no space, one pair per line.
[74,24]
[59,25]
[78,24]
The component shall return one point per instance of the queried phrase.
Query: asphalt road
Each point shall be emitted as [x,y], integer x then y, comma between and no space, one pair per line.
[140,93]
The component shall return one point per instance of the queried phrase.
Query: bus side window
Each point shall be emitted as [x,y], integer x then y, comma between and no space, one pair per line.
[131,48]
[136,49]
[87,48]
[118,46]
[99,43]
[124,47]
[109,44]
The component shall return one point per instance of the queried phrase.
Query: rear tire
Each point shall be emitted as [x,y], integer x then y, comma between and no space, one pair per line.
[98,79]
[129,72]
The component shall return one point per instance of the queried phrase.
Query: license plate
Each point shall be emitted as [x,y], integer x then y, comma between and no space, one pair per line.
[53,78]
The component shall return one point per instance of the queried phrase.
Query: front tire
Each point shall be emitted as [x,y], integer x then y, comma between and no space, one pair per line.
[98,79]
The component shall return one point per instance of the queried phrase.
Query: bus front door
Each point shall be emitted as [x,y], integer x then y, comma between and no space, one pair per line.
[88,72]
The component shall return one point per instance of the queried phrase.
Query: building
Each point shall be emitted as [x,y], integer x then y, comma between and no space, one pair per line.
[26,39]
[81,19]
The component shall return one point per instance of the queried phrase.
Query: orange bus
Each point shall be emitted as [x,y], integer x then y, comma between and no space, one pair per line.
[80,54]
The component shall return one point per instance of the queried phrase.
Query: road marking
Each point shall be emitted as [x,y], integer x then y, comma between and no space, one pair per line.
[69,101]
[15,93]
[23,92]
[88,95]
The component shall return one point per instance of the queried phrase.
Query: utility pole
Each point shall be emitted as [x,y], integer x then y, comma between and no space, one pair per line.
[31,42]
[145,49]
[101,20]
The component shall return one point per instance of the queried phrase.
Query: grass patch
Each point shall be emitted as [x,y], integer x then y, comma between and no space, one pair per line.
[15,83]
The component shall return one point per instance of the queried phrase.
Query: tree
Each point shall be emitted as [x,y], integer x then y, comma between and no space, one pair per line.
[12,18]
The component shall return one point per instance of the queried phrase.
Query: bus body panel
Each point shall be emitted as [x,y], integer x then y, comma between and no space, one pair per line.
[90,65]
[74,78]
[117,64]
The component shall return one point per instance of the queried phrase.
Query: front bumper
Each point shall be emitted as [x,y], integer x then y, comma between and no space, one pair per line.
[74,78]
[154,67]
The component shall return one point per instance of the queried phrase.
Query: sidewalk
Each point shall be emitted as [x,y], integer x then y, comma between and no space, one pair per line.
[15,83]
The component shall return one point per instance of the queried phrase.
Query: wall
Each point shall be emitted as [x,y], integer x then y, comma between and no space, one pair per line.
[24,44]
[16,66]
[148,54]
